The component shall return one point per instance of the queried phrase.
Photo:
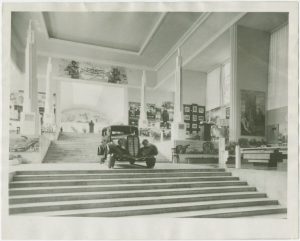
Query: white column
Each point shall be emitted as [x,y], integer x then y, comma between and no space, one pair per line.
[238,161]
[49,120]
[58,105]
[234,124]
[143,122]
[178,89]
[126,106]
[30,116]
[178,126]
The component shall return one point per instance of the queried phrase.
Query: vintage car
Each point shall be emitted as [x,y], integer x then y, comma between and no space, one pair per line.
[122,143]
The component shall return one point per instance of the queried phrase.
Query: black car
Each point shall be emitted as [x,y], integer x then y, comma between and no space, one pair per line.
[122,143]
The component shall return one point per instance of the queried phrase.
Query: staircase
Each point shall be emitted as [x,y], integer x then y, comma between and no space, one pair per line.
[74,147]
[185,193]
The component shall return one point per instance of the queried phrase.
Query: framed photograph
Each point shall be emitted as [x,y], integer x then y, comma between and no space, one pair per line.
[194,126]
[201,110]
[187,117]
[188,125]
[187,109]
[201,118]
[194,117]
[195,109]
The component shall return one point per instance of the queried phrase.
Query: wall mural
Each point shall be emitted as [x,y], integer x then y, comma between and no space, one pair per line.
[90,71]
[80,120]
[252,113]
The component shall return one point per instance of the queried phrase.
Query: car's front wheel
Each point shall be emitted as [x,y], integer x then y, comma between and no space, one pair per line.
[150,162]
[111,161]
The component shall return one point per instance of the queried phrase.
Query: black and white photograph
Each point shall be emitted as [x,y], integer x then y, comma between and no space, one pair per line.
[150,120]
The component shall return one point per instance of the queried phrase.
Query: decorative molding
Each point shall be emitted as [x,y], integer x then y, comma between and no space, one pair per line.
[164,80]
[212,39]
[96,47]
[153,31]
[104,62]
[183,39]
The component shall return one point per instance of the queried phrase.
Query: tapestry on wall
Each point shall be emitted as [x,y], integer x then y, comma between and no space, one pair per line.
[90,71]
[252,113]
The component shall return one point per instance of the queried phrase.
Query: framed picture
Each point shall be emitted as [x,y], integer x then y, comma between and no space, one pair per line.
[194,126]
[194,117]
[252,113]
[195,109]
[187,125]
[201,118]
[187,109]
[201,110]
[187,117]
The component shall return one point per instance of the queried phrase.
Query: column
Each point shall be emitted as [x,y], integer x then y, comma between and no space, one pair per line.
[234,125]
[30,116]
[58,105]
[178,126]
[126,106]
[143,122]
[49,120]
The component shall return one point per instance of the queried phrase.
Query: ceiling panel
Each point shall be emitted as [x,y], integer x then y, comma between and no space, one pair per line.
[119,30]
[263,21]
[216,53]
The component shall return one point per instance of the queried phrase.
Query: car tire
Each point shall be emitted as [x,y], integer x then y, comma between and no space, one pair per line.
[110,161]
[150,162]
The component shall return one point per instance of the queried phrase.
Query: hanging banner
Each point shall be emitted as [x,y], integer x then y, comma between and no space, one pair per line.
[90,71]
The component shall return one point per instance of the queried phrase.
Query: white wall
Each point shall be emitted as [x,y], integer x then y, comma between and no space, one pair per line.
[278,69]
[213,93]
[194,87]
[152,96]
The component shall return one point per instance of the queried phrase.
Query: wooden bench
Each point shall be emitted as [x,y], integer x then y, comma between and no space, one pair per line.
[264,156]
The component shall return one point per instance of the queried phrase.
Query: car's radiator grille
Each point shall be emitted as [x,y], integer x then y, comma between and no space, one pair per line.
[133,145]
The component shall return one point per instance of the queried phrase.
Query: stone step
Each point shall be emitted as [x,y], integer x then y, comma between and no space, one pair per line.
[159,208]
[54,183]
[128,194]
[72,160]
[265,211]
[68,189]
[125,202]
[112,176]
[119,171]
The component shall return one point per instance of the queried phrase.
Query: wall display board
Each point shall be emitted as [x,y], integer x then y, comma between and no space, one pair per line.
[159,118]
[252,113]
[193,115]
[90,71]
[134,113]
[17,101]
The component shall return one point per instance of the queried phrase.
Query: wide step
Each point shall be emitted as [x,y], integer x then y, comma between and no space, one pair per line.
[186,193]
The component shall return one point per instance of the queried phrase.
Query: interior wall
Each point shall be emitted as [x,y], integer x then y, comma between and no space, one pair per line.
[152,96]
[194,87]
[252,63]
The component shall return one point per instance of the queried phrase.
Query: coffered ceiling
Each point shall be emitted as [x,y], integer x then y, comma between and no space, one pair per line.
[129,38]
